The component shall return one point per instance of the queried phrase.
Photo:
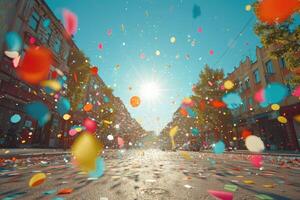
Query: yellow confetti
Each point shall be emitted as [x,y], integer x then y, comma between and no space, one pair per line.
[107,122]
[85,149]
[185,155]
[173,131]
[52,84]
[66,117]
[297,118]
[37,179]
[275,107]
[269,185]
[248,7]
[157,52]
[248,182]
[228,84]
[282,119]
[173,40]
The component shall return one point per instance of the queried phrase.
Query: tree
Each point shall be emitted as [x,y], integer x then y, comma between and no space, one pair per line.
[213,116]
[284,40]
[79,77]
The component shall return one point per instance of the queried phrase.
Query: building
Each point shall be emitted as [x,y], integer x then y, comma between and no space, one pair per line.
[249,78]
[27,19]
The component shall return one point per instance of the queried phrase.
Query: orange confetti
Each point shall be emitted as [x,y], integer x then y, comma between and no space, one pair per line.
[135,101]
[65,191]
[88,107]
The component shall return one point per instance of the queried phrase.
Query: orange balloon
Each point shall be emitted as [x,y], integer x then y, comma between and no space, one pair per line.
[35,65]
[88,107]
[135,101]
[276,11]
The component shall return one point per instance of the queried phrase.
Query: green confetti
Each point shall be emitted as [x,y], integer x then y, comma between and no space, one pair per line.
[230,187]
[263,197]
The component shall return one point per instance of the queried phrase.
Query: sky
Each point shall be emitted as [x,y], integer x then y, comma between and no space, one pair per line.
[141,27]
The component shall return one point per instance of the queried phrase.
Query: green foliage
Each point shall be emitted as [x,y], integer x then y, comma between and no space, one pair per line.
[283,40]
[79,67]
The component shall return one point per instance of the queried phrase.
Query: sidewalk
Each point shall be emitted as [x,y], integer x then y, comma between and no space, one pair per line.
[26,152]
[266,153]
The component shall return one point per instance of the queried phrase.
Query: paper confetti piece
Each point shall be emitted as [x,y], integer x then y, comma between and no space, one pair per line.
[248,182]
[70,22]
[221,195]
[219,147]
[185,155]
[65,191]
[230,187]
[13,41]
[37,179]
[15,118]
[100,167]
[254,144]
[135,101]
[90,125]
[263,197]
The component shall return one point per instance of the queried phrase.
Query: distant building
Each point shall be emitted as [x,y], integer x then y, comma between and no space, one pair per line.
[249,78]
[26,18]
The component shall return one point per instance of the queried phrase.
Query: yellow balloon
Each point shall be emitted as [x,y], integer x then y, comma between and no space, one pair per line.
[37,179]
[228,84]
[282,119]
[85,149]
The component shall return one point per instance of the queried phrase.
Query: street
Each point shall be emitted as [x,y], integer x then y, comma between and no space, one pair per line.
[151,174]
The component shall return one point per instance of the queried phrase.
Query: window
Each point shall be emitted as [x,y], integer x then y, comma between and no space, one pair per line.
[48,34]
[256,76]
[269,67]
[34,20]
[282,62]
[57,45]
[247,82]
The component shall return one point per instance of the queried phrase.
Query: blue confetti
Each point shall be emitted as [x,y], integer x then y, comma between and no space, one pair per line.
[191,113]
[219,147]
[49,192]
[195,132]
[13,41]
[106,99]
[232,100]
[15,118]
[196,11]
[63,106]
[38,111]
[99,168]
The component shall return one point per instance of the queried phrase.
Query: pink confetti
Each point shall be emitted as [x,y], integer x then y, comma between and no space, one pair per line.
[32,40]
[210,83]
[120,142]
[100,46]
[199,30]
[296,92]
[221,195]
[72,132]
[109,32]
[259,96]
[256,160]
[70,22]
[142,56]
[90,125]
[211,52]
[16,61]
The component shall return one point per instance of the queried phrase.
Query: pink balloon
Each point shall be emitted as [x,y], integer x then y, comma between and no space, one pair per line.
[90,125]
[259,96]
[256,160]
[296,92]
[221,195]
[120,142]
[70,22]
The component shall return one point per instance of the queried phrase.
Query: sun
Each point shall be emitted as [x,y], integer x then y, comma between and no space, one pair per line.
[150,91]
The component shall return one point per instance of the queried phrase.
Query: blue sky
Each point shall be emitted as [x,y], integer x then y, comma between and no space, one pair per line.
[149,25]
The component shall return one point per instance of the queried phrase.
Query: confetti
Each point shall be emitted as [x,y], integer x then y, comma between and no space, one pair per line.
[256,160]
[100,46]
[263,197]
[296,92]
[221,195]
[85,149]
[35,65]
[70,22]
[248,182]
[110,137]
[13,42]
[38,111]
[90,125]
[100,167]
[219,147]
[120,142]
[211,52]
[66,117]
[248,7]
[51,84]
[157,52]
[65,191]
[109,32]
[15,118]
[37,179]
[276,11]
[94,70]
[173,40]
[282,119]
[196,11]
[185,155]
[254,144]
[230,187]
[275,107]
[228,84]
[195,131]
[87,107]
[63,106]
[135,101]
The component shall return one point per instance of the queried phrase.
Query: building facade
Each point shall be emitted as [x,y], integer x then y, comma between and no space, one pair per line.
[28,18]
[249,78]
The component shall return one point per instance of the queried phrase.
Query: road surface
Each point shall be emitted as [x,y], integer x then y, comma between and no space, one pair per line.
[150,175]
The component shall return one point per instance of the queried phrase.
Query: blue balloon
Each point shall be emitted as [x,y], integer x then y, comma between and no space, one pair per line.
[99,168]
[232,100]
[275,93]
[63,106]
[38,111]
[219,147]
[15,118]
[13,41]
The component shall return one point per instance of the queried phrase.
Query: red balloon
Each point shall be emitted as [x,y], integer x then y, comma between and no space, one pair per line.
[35,65]
[276,11]
[94,70]
[90,125]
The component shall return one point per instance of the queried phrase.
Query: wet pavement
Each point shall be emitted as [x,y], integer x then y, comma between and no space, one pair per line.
[152,174]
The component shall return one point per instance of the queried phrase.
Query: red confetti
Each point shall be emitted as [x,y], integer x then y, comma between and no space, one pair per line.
[70,22]
[100,46]
[65,191]
[202,105]
[218,104]
[35,65]
[120,142]
[183,112]
[94,70]
[276,11]
[32,40]
[256,160]
[54,75]
[90,125]
[211,52]
[246,133]
[135,101]
[75,76]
